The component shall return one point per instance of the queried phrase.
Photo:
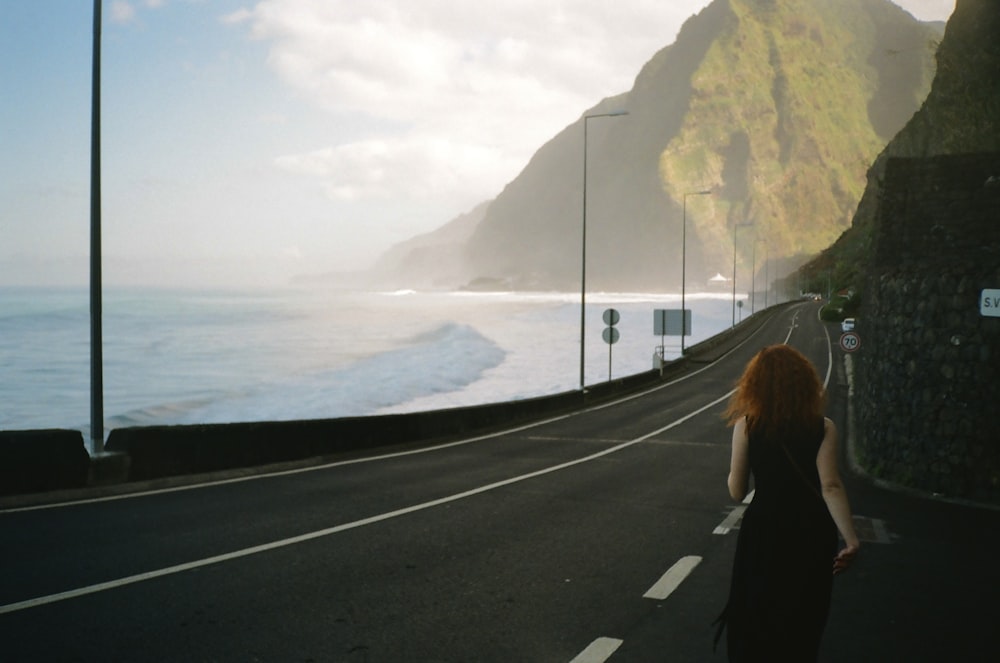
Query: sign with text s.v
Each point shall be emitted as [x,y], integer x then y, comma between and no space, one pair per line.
[989,303]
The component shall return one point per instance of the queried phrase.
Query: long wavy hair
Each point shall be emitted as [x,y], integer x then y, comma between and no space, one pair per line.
[779,391]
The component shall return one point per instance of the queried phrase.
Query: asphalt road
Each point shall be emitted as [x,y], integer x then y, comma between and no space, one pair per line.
[604,535]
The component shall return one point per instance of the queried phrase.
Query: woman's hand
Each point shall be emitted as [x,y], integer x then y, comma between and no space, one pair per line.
[844,558]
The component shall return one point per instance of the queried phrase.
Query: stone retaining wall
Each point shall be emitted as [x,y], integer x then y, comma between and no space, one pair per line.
[929,368]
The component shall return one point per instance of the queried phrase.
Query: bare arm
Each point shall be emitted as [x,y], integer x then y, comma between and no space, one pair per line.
[739,464]
[836,497]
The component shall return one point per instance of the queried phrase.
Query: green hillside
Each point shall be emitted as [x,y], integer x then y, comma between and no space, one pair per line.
[778,106]
[961,114]
[783,118]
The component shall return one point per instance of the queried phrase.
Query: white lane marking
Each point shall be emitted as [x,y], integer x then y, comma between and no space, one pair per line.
[734,516]
[369,459]
[673,578]
[52,598]
[881,533]
[598,651]
[158,573]
[729,523]
[871,530]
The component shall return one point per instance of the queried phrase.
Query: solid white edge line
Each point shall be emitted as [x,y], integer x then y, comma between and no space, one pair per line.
[369,459]
[598,651]
[93,589]
[673,578]
[128,580]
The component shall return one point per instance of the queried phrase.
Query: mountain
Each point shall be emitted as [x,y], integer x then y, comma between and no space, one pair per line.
[960,115]
[777,106]
[430,259]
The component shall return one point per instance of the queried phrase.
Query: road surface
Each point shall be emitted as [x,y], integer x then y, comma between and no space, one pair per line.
[605,535]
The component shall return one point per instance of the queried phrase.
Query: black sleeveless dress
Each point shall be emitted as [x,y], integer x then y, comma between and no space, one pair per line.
[782,579]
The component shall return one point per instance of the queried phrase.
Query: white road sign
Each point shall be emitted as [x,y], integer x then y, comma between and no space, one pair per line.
[850,341]
[989,303]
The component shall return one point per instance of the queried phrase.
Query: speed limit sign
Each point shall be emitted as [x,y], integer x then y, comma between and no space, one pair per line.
[850,341]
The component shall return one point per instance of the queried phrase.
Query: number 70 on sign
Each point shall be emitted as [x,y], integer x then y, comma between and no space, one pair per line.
[850,341]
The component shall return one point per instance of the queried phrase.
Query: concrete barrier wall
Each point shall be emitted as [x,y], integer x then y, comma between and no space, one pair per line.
[163,451]
[36,461]
[160,451]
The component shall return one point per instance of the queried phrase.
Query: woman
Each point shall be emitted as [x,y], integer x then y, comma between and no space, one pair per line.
[782,577]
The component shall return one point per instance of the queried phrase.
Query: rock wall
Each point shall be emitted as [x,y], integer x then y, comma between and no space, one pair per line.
[928,377]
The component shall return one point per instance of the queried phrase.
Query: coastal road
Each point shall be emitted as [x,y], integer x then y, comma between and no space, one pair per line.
[606,534]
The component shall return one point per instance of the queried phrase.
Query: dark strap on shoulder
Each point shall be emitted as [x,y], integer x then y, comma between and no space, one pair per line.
[798,470]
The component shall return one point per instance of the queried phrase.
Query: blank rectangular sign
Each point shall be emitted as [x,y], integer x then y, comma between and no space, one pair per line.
[667,322]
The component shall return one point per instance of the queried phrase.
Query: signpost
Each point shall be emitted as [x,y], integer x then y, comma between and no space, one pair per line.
[610,334]
[670,322]
[850,341]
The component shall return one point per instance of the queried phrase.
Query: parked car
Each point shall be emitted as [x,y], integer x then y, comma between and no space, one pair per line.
[847,325]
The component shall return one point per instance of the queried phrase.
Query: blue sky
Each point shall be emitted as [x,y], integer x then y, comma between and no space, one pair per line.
[247,142]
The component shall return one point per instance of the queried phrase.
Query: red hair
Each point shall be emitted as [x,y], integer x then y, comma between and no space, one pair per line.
[779,390]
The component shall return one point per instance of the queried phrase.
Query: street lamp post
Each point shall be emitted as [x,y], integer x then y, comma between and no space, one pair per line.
[767,281]
[583,238]
[96,331]
[736,226]
[757,241]
[684,260]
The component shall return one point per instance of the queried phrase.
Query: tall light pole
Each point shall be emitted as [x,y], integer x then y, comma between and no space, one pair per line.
[736,226]
[583,258]
[96,337]
[753,290]
[684,260]
[767,281]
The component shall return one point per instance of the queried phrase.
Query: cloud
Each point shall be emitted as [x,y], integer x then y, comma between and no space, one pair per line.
[414,166]
[464,92]
[291,253]
[122,12]
[928,10]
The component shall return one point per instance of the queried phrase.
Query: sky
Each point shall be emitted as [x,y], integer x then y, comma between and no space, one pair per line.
[245,143]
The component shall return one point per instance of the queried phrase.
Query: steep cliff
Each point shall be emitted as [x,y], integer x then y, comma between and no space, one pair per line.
[777,106]
[960,115]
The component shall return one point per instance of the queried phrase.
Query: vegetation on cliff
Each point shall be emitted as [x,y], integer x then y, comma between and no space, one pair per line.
[777,106]
[960,115]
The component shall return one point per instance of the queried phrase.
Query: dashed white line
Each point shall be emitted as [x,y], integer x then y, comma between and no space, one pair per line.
[672,579]
[598,651]
[599,645]
[142,577]
[734,516]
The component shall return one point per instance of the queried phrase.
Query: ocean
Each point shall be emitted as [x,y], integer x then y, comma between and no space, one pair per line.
[184,357]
